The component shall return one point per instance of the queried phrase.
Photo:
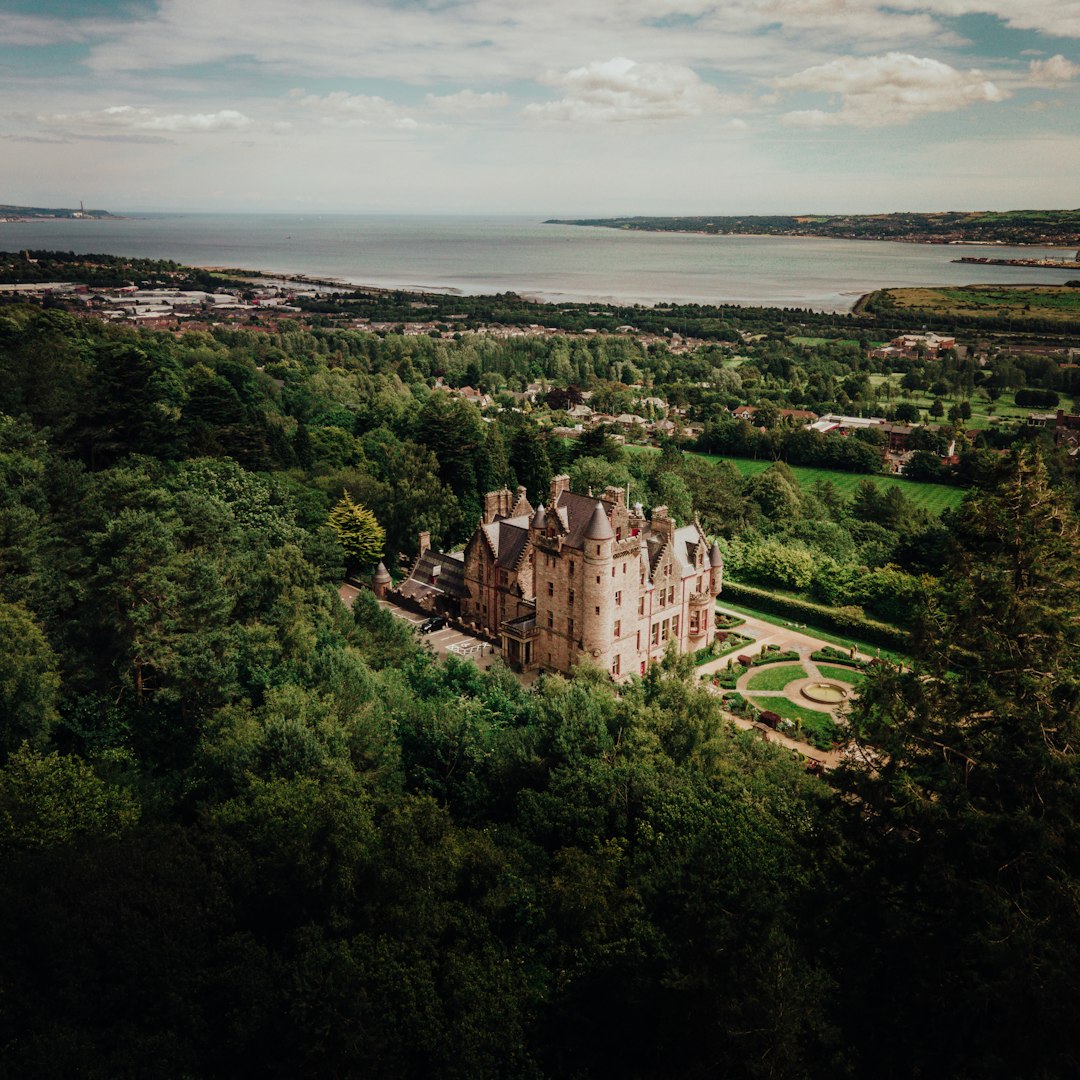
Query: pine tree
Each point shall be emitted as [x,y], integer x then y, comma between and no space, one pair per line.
[361,537]
[967,804]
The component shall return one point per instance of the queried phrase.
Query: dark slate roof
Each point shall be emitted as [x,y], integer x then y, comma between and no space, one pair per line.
[578,511]
[512,542]
[451,579]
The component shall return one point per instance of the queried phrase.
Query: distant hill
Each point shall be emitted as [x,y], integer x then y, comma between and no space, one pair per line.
[1038,227]
[23,213]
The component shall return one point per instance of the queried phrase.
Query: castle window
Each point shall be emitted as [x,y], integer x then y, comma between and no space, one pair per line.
[597,579]
[570,627]
[597,549]
[551,588]
[570,597]
[597,611]
[675,626]
[618,532]
[624,568]
[613,571]
[663,599]
[551,619]
[618,628]
[671,595]
[618,599]
[638,642]
[615,666]
[664,630]
[656,633]
[571,567]
[641,605]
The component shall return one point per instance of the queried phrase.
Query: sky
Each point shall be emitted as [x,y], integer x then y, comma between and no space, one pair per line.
[547,107]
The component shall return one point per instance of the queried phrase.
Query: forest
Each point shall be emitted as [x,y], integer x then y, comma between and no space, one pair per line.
[247,830]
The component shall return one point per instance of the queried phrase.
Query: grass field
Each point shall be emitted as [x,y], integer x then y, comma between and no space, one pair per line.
[1019,302]
[984,412]
[842,674]
[777,678]
[931,497]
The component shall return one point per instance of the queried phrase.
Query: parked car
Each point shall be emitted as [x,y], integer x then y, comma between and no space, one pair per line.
[436,622]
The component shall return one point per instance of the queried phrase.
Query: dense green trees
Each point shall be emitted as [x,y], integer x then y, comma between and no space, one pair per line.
[246,830]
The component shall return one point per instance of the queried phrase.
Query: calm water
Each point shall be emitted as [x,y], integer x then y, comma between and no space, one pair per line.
[551,262]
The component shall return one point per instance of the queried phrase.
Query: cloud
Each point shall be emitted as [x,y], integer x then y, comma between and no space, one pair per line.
[467,101]
[1051,73]
[132,118]
[875,91]
[356,110]
[620,90]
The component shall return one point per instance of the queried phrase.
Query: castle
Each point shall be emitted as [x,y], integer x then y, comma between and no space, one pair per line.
[582,578]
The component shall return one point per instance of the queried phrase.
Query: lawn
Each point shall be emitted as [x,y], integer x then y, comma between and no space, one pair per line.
[931,497]
[818,728]
[842,674]
[777,678]
[984,412]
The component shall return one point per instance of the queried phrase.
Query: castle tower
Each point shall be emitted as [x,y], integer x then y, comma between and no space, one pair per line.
[381,582]
[716,569]
[598,594]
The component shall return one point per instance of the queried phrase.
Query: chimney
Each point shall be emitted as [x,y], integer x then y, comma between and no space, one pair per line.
[425,542]
[559,484]
[662,525]
[615,495]
[496,505]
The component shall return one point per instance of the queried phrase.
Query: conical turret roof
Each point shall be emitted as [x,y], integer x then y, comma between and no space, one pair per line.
[539,519]
[382,575]
[715,558]
[599,528]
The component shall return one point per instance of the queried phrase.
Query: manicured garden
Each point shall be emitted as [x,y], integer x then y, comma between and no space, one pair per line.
[817,728]
[842,674]
[776,678]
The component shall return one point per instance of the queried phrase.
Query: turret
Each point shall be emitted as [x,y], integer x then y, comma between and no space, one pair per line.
[381,582]
[598,588]
[716,569]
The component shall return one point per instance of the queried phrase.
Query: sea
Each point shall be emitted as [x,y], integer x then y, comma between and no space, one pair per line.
[477,254]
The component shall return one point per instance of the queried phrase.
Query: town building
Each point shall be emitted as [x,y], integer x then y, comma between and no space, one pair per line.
[583,579]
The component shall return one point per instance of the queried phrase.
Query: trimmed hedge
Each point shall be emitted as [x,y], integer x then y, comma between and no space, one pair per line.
[832,655]
[828,618]
[775,657]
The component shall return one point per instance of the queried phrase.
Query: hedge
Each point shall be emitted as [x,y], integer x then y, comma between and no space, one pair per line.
[828,618]
[775,657]
[832,655]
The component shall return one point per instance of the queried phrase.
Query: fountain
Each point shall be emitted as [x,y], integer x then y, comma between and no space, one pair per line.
[824,693]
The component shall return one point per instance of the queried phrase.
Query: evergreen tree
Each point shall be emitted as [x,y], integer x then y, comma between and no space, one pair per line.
[968,805]
[361,537]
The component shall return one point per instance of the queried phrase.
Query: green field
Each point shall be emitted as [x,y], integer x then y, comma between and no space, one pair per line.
[777,678]
[984,413]
[842,674]
[1058,303]
[931,497]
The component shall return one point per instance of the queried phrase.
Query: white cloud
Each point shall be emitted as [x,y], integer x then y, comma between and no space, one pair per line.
[132,118]
[357,110]
[621,90]
[467,101]
[1051,73]
[875,91]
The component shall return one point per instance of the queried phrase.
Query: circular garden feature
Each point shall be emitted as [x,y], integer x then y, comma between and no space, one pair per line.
[824,693]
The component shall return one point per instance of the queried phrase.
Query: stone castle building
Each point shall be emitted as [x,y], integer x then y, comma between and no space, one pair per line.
[582,578]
